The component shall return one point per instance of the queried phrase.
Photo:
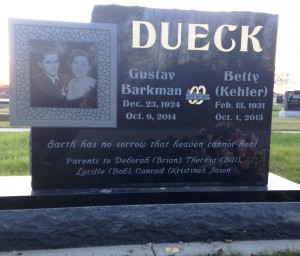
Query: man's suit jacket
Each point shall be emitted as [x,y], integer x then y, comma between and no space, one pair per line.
[45,94]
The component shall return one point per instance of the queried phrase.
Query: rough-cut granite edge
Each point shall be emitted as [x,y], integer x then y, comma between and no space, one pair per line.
[136,224]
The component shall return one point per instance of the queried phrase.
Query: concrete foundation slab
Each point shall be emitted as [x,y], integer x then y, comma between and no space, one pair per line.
[178,249]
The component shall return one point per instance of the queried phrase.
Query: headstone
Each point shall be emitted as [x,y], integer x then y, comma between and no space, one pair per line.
[292,101]
[291,105]
[189,102]
[279,98]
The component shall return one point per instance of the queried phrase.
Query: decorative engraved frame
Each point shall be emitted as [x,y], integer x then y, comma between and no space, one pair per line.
[104,36]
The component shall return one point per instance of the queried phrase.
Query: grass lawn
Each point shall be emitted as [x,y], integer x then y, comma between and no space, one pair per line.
[14,157]
[284,156]
[4,110]
[4,124]
[283,124]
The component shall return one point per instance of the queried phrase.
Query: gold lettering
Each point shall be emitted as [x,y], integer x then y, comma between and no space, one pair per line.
[192,37]
[165,36]
[136,34]
[144,36]
[245,36]
[218,38]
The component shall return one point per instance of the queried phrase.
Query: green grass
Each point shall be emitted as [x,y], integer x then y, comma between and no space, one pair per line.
[283,124]
[4,110]
[14,157]
[284,157]
[280,253]
[4,124]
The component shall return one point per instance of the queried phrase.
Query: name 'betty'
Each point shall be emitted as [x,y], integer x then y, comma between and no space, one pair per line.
[241,77]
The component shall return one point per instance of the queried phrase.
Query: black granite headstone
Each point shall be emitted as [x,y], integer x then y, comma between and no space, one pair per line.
[194,102]
[292,101]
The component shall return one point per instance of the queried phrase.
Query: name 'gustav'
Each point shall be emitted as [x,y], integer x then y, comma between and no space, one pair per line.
[128,89]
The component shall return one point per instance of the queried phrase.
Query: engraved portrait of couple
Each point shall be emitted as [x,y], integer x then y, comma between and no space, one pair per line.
[62,74]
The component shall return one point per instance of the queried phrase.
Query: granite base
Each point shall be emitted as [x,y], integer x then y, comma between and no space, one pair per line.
[45,227]
[289,114]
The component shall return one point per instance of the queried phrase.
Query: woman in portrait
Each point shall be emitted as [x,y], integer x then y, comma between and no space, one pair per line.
[82,89]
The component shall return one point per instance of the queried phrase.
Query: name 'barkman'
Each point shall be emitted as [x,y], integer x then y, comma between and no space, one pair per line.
[150,90]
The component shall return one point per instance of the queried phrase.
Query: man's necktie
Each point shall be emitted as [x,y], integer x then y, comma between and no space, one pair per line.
[56,83]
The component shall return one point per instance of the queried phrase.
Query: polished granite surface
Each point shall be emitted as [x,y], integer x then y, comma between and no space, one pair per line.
[16,193]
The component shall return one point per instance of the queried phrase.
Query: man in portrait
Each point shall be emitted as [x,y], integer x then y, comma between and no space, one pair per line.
[48,87]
